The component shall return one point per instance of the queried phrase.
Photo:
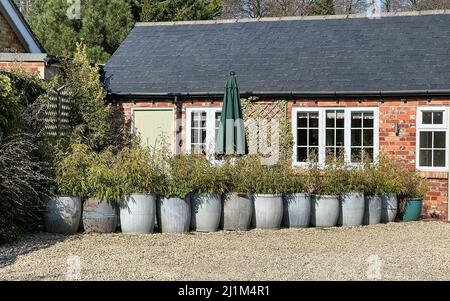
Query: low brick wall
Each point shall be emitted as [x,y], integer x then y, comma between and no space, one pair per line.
[391,112]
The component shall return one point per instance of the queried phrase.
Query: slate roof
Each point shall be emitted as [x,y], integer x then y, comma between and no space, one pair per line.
[403,54]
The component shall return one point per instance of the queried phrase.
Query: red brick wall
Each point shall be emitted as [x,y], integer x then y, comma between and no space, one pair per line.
[9,42]
[392,111]
[30,67]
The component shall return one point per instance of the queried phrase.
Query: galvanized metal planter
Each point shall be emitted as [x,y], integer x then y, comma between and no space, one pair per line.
[99,216]
[297,210]
[63,215]
[389,207]
[237,212]
[174,215]
[412,210]
[324,210]
[138,213]
[372,212]
[206,212]
[351,209]
[268,211]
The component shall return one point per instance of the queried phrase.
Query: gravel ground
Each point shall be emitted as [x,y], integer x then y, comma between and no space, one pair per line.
[402,251]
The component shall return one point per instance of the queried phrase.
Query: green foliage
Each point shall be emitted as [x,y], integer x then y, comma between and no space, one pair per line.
[237,173]
[103,26]
[10,108]
[73,169]
[178,181]
[267,179]
[321,7]
[207,177]
[90,116]
[103,177]
[138,172]
[297,181]
[179,10]
[327,180]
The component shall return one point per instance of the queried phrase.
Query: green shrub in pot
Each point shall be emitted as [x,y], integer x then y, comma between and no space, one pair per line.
[390,175]
[296,199]
[237,206]
[327,186]
[174,206]
[268,186]
[103,180]
[206,202]
[63,210]
[414,189]
[139,181]
[352,203]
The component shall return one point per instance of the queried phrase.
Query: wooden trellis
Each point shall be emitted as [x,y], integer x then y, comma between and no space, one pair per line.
[267,129]
[57,122]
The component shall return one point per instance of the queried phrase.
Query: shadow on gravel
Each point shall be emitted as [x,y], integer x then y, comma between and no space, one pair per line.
[29,243]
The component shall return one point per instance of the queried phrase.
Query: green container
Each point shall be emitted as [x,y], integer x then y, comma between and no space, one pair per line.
[413,210]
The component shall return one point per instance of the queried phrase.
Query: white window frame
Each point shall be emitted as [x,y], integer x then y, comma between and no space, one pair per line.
[210,127]
[432,128]
[347,131]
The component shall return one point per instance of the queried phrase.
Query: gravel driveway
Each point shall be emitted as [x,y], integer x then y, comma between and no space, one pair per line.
[397,251]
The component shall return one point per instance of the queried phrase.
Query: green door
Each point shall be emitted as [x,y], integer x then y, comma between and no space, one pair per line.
[154,125]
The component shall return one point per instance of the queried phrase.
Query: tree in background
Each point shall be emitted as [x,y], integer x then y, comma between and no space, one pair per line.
[179,10]
[103,26]
[280,8]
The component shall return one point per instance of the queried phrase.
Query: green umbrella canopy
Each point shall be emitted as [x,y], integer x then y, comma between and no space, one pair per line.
[231,136]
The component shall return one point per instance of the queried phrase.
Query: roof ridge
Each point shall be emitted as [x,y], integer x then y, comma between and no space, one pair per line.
[296,18]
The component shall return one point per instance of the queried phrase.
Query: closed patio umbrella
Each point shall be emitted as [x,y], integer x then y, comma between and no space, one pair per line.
[231,136]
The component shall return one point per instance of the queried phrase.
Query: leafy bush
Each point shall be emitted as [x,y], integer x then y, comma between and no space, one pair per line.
[178,181]
[138,172]
[103,177]
[10,107]
[237,174]
[327,180]
[22,186]
[207,177]
[297,181]
[73,169]
[267,179]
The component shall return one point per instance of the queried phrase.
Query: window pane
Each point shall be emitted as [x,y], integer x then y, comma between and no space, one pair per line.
[313,120]
[356,138]
[426,140]
[302,154]
[368,137]
[439,158]
[439,140]
[356,120]
[313,154]
[218,115]
[356,155]
[330,137]
[368,154]
[368,120]
[194,136]
[438,117]
[302,120]
[426,117]
[340,119]
[313,137]
[339,137]
[330,153]
[340,151]
[425,158]
[302,137]
[330,119]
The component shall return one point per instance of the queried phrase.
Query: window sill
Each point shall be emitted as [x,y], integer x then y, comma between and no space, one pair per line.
[434,174]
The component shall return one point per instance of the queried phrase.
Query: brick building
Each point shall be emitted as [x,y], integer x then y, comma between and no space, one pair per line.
[18,45]
[347,84]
